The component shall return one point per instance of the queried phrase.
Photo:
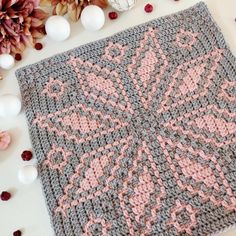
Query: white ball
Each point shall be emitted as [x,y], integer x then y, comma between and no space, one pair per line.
[122,5]
[7,61]
[27,174]
[92,18]
[57,28]
[10,105]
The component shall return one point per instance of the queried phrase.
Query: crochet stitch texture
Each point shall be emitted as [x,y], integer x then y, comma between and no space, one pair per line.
[135,134]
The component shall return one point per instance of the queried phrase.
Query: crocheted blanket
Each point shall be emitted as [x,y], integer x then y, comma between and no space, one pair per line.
[135,134]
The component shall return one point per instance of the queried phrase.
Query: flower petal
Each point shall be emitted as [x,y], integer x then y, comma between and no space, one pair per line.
[5,140]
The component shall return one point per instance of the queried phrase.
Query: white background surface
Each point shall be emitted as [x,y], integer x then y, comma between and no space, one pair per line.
[26,210]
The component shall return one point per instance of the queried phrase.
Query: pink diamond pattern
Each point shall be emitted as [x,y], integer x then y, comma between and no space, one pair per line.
[211,120]
[99,80]
[93,172]
[145,191]
[146,77]
[190,80]
[201,173]
[80,125]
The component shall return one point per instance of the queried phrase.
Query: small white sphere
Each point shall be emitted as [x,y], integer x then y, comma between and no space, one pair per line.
[57,28]
[122,5]
[27,174]
[10,105]
[92,18]
[7,61]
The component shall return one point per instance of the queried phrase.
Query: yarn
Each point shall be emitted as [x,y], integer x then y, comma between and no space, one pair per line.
[135,134]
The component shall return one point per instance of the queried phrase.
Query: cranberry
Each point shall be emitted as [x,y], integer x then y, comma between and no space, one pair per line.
[38,46]
[18,57]
[26,155]
[17,233]
[113,15]
[5,196]
[148,8]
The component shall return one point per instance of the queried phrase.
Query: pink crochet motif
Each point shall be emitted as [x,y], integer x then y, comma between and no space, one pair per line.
[53,154]
[68,125]
[144,193]
[201,119]
[94,86]
[54,88]
[191,80]
[105,226]
[205,174]
[152,68]
[186,39]
[114,52]
[224,93]
[92,173]
[188,226]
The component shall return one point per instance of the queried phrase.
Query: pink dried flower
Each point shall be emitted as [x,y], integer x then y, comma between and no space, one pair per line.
[5,140]
[20,24]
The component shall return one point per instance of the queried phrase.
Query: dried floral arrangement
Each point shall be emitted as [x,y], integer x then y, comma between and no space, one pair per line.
[22,23]
[71,7]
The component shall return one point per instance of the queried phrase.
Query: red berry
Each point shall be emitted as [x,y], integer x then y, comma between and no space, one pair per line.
[148,8]
[18,56]
[38,46]
[5,196]
[26,155]
[112,15]
[17,233]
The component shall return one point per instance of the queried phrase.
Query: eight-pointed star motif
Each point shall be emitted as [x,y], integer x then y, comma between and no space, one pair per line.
[119,111]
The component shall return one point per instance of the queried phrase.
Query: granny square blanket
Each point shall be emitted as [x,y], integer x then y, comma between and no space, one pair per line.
[135,134]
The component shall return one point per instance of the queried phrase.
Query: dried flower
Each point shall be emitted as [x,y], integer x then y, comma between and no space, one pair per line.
[21,23]
[72,7]
[100,3]
[5,140]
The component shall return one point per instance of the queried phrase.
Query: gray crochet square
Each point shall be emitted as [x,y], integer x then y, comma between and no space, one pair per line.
[135,134]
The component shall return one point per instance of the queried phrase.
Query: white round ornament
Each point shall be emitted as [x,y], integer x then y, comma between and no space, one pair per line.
[27,174]
[92,18]
[122,5]
[57,28]
[7,61]
[10,105]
